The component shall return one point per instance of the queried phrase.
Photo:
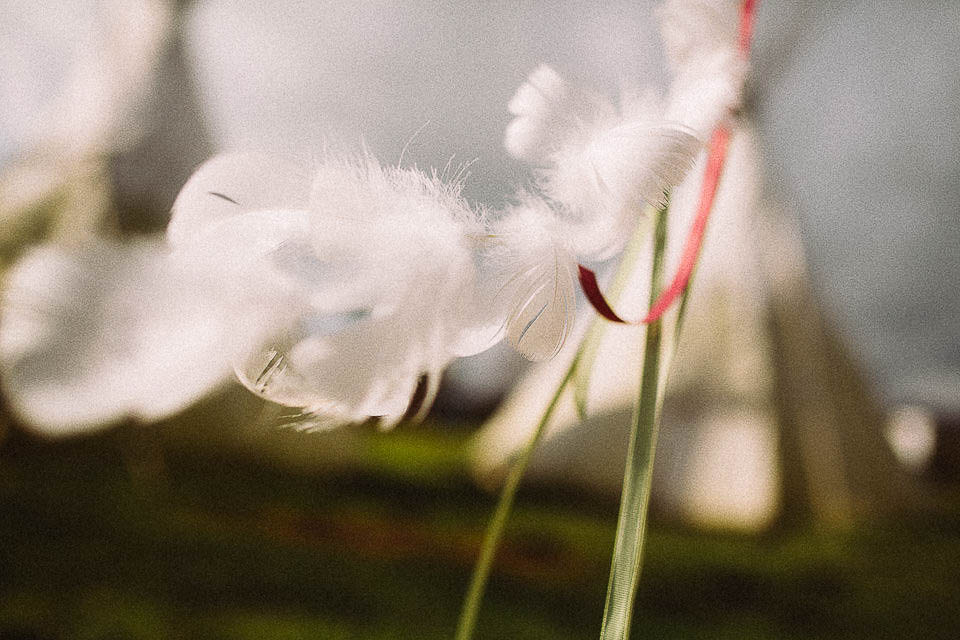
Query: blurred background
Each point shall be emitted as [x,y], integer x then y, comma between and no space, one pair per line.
[808,471]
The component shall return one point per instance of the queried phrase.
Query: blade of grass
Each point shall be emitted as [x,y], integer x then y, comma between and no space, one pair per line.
[638,473]
[498,522]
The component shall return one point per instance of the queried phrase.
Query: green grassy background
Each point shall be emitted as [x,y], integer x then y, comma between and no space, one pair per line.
[208,542]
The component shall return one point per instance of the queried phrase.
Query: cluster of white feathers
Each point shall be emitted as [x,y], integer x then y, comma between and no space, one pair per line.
[339,288]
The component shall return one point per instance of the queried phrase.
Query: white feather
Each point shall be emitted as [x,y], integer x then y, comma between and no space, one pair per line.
[605,185]
[387,269]
[544,309]
[702,96]
[599,166]
[551,113]
[533,274]
[701,41]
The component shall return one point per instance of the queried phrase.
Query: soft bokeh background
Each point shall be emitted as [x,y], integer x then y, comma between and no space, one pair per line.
[807,475]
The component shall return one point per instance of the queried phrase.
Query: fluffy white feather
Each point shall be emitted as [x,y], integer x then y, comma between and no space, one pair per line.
[551,113]
[387,268]
[701,40]
[704,96]
[604,185]
[599,165]
[533,272]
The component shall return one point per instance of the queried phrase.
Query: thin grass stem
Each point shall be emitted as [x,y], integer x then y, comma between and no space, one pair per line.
[498,522]
[638,472]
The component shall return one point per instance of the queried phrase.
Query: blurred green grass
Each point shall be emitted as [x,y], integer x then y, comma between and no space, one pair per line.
[210,543]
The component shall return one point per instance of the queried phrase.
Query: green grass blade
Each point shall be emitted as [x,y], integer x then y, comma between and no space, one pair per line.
[638,473]
[498,522]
